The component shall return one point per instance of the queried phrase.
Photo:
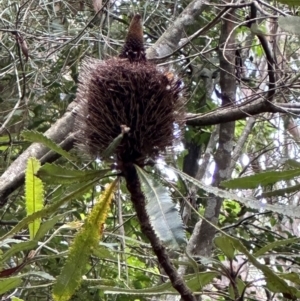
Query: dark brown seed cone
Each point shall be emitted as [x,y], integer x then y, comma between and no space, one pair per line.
[114,94]
[133,48]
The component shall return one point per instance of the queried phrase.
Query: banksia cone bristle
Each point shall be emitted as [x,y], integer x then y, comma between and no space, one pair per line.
[120,96]
[133,48]
[116,94]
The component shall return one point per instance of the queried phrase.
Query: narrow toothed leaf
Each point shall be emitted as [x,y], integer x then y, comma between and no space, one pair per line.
[112,146]
[34,194]
[84,243]
[50,208]
[54,174]
[163,214]
[33,136]
[8,284]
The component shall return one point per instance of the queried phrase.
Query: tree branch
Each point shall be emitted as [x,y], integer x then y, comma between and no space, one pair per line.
[13,177]
[169,41]
[139,203]
[222,156]
[233,113]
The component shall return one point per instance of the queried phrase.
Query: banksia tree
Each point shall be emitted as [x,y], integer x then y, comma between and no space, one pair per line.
[134,109]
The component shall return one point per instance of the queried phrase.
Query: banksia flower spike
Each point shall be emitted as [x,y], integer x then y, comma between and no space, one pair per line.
[128,91]
[130,98]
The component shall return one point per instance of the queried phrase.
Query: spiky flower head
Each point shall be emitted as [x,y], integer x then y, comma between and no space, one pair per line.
[130,96]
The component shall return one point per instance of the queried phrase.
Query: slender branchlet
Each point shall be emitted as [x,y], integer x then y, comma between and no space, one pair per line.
[139,203]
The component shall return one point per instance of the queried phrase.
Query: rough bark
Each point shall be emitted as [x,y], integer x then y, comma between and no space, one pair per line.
[169,41]
[59,132]
[202,240]
[233,113]
[190,167]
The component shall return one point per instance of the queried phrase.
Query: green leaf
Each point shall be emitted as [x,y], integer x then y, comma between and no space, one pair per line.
[280,192]
[180,158]
[195,283]
[34,194]
[162,212]
[225,246]
[290,2]
[33,136]
[261,179]
[231,292]
[7,241]
[103,252]
[240,287]
[274,282]
[18,247]
[112,146]
[278,243]
[46,226]
[54,174]
[8,284]
[292,211]
[294,277]
[39,274]
[84,244]
[50,209]
[292,163]
[16,299]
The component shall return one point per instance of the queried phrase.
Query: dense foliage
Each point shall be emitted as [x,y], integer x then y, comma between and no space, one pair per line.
[69,230]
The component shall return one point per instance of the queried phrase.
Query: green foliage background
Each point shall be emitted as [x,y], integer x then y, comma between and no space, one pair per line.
[35,93]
